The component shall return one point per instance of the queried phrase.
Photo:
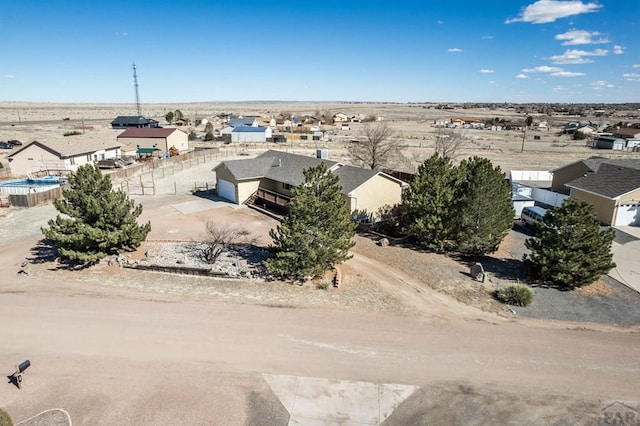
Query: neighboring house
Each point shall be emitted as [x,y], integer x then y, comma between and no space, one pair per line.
[340,117]
[610,142]
[250,134]
[65,154]
[269,178]
[161,139]
[243,122]
[133,121]
[611,186]
[627,133]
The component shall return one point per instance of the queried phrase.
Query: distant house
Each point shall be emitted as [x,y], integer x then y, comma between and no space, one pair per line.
[340,117]
[611,186]
[250,134]
[160,138]
[66,154]
[269,178]
[133,121]
[243,122]
[627,133]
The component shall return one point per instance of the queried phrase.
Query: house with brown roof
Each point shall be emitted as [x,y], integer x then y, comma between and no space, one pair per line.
[61,154]
[627,133]
[612,187]
[269,179]
[160,139]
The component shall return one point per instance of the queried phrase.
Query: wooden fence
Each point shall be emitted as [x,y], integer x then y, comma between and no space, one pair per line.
[35,198]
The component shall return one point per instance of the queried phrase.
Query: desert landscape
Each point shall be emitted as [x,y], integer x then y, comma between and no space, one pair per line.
[407,338]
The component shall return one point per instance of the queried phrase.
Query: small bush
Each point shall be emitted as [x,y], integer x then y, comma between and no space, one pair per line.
[5,420]
[72,133]
[208,137]
[323,285]
[515,294]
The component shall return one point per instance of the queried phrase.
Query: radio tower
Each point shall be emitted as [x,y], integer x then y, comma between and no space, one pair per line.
[135,84]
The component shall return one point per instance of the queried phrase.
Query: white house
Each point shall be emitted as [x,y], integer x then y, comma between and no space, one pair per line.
[159,138]
[340,117]
[251,134]
[64,154]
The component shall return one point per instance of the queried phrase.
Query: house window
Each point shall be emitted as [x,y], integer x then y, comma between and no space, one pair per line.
[72,161]
[88,157]
[287,186]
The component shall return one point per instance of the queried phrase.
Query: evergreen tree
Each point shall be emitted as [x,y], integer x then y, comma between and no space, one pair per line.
[428,203]
[96,221]
[569,249]
[317,230]
[484,209]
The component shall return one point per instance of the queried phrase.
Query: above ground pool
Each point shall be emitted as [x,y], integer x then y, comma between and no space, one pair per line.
[22,186]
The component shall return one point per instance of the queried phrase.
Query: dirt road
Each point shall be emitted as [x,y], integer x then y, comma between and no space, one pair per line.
[100,357]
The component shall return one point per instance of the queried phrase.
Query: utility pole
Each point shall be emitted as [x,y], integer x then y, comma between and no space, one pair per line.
[524,135]
[135,84]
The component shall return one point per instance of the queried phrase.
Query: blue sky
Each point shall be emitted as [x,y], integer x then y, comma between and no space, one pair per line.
[349,50]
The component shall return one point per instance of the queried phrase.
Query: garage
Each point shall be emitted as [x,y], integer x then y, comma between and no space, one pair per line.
[628,215]
[227,190]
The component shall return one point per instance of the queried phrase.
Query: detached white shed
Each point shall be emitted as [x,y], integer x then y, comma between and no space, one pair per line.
[250,134]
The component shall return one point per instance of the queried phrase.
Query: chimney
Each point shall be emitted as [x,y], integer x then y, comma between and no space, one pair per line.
[279,162]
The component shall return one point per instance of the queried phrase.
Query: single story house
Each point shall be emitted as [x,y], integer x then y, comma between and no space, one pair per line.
[158,138]
[340,117]
[627,133]
[133,121]
[611,186]
[60,154]
[250,134]
[269,179]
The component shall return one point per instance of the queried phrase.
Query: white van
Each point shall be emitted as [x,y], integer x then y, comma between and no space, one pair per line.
[532,215]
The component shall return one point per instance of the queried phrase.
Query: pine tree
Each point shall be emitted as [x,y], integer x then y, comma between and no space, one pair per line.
[428,204]
[484,209]
[569,249]
[317,230]
[96,221]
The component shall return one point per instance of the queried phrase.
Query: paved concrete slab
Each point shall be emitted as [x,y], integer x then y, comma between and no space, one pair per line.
[627,270]
[317,401]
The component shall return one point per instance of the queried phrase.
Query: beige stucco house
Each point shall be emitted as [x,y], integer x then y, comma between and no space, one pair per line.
[159,138]
[269,178]
[611,186]
[62,154]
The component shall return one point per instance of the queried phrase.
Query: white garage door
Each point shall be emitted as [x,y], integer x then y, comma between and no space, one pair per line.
[227,190]
[628,215]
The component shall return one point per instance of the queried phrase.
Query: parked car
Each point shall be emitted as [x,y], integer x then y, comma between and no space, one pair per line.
[532,215]
[5,145]
[14,142]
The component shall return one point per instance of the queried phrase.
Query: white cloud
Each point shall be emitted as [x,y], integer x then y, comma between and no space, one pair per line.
[543,68]
[9,76]
[599,84]
[635,66]
[574,56]
[618,50]
[545,11]
[486,71]
[439,22]
[492,82]
[522,76]
[454,50]
[489,37]
[575,37]
[632,76]
[567,74]
[559,88]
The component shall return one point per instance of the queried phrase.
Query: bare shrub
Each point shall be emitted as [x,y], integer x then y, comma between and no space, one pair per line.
[219,238]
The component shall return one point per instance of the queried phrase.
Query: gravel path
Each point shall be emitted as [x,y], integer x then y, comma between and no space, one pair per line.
[606,301]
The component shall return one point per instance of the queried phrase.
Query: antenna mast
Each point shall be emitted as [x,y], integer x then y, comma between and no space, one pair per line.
[135,84]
